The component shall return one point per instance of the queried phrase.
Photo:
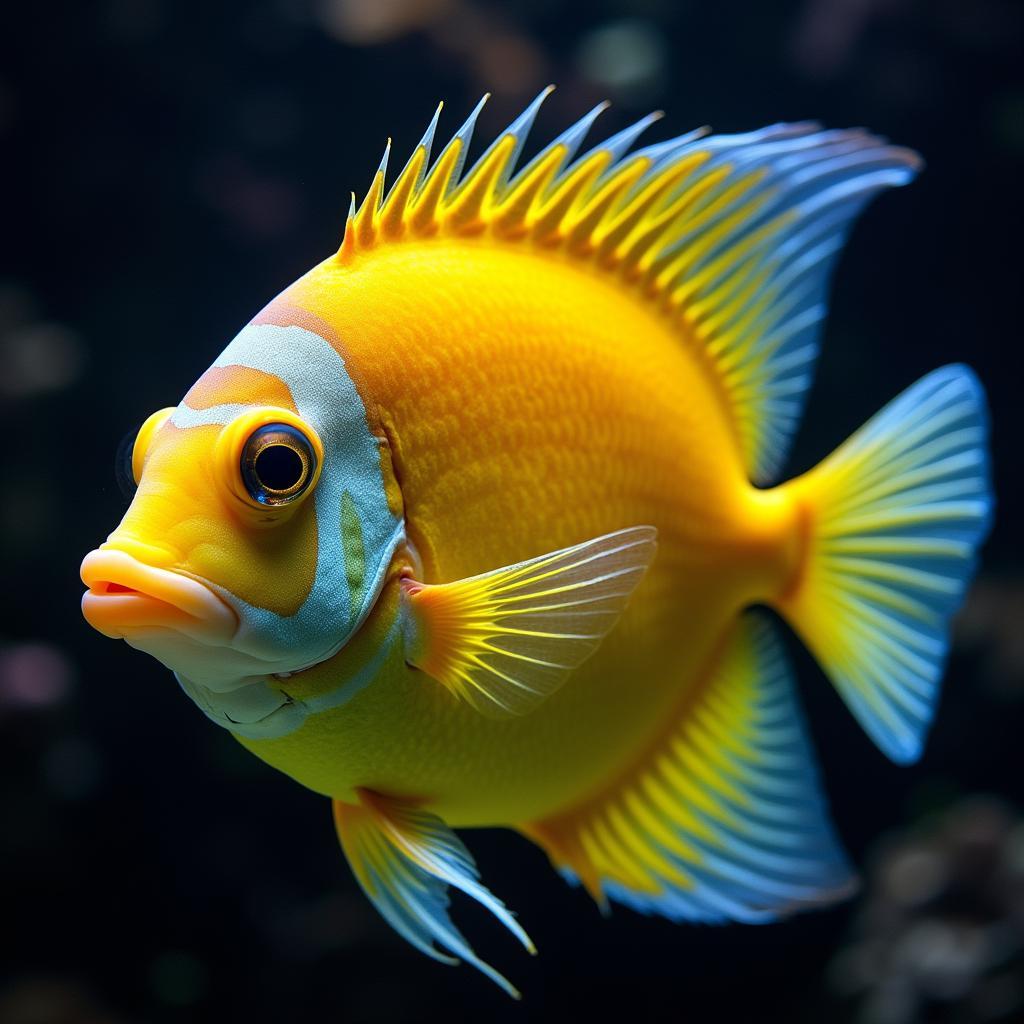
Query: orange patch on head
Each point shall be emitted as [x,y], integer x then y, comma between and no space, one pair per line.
[227,385]
[284,314]
[185,508]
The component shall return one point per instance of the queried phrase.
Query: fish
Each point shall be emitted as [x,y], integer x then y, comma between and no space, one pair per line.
[482,522]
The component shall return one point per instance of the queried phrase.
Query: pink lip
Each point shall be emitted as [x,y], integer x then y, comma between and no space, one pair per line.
[126,596]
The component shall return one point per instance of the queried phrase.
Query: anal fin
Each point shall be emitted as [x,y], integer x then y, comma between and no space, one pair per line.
[725,819]
[405,859]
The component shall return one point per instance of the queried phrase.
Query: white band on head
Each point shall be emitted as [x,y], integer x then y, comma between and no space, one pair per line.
[326,397]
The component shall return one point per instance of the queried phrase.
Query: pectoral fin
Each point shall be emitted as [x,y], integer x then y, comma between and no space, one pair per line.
[405,858]
[506,640]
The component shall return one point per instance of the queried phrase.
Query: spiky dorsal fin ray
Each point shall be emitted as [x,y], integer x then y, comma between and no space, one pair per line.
[733,237]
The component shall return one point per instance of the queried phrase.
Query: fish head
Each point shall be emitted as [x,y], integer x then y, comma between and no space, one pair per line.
[260,532]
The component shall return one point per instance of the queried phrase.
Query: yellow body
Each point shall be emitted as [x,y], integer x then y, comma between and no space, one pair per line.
[461,530]
[529,404]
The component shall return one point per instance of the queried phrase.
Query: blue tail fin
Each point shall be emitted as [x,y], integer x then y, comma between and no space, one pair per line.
[895,518]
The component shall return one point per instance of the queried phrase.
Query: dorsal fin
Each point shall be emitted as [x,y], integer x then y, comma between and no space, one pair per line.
[732,237]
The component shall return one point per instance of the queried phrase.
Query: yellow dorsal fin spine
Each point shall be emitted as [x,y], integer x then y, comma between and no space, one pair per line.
[392,215]
[549,225]
[733,237]
[597,211]
[422,217]
[467,210]
[512,215]
[366,220]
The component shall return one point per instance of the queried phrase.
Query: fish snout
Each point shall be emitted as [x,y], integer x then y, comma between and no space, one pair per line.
[127,596]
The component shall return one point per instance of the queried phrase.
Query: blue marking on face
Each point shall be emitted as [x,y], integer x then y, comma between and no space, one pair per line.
[326,397]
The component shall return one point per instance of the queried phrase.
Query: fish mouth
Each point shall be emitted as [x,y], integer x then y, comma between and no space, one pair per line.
[127,597]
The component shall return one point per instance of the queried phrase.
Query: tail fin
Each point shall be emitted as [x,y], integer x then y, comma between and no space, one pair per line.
[895,517]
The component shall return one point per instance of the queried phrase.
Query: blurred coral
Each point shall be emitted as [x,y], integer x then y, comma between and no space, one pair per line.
[991,627]
[370,22]
[941,925]
[36,355]
[628,59]
[33,675]
[828,31]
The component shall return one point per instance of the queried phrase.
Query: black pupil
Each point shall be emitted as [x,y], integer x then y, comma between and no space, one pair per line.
[278,467]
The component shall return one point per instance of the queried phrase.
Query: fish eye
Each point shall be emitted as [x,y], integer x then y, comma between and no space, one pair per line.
[278,464]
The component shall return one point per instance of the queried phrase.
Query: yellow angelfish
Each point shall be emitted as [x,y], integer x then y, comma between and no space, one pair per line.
[463,529]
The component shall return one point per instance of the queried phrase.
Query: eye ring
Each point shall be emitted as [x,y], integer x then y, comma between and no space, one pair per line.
[123,472]
[131,452]
[278,464]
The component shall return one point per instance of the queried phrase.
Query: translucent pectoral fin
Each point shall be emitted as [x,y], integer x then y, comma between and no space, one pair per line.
[405,859]
[506,640]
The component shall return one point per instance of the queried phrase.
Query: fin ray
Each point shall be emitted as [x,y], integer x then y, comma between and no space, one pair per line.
[506,640]
[404,860]
[897,514]
[733,236]
[714,831]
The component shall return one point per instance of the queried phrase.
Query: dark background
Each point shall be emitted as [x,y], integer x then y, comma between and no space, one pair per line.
[169,166]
